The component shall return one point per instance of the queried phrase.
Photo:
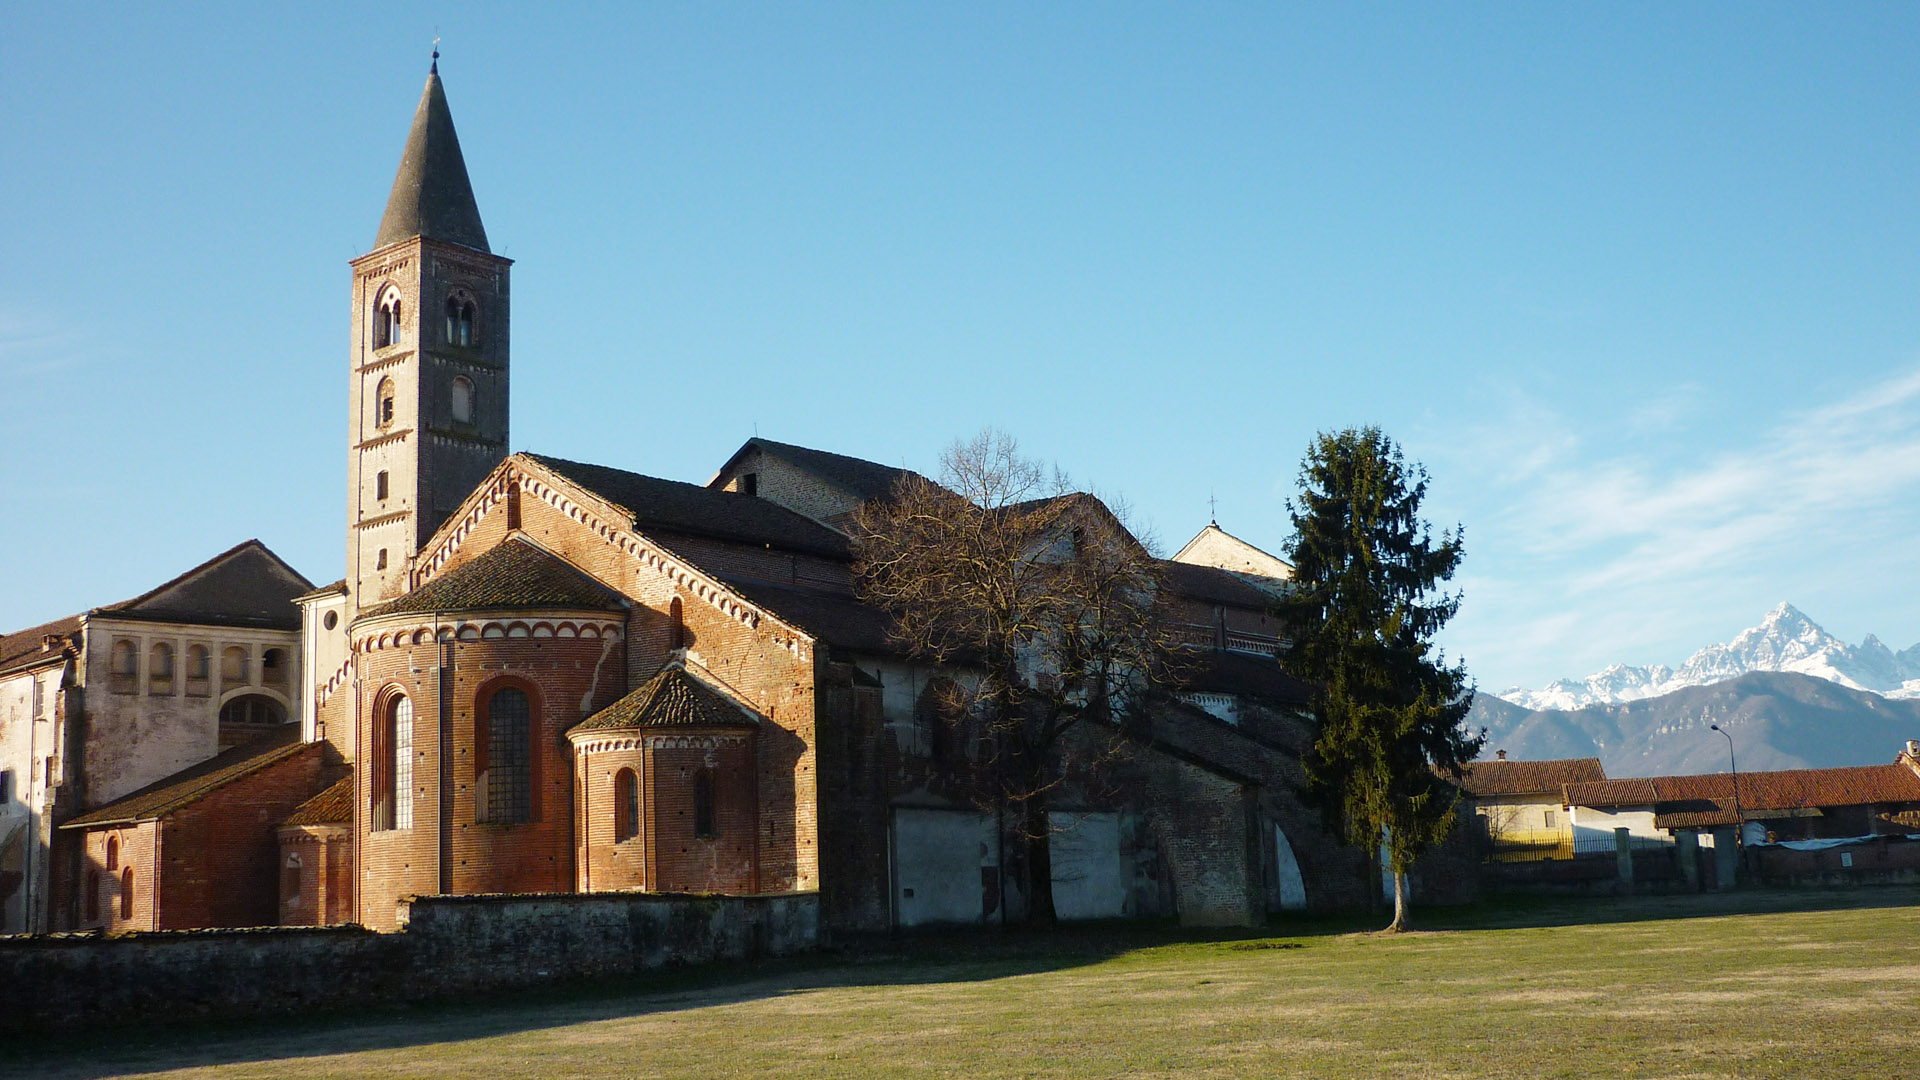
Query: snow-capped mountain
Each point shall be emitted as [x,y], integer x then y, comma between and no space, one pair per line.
[1785,640]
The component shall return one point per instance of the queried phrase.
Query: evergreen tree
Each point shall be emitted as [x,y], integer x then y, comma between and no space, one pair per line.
[1365,605]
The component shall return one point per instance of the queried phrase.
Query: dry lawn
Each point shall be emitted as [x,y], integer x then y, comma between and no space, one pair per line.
[1766,985]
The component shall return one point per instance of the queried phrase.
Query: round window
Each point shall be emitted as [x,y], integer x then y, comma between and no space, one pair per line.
[331,620]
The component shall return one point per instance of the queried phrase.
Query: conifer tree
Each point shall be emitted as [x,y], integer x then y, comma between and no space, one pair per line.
[1365,605]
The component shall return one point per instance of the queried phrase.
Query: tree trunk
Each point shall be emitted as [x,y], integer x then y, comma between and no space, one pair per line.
[1039,862]
[1400,921]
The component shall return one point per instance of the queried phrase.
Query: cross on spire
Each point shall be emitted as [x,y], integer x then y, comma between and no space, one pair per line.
[434,68]
[1213,509]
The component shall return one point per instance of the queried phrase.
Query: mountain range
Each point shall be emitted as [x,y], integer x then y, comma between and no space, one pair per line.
[1789,694]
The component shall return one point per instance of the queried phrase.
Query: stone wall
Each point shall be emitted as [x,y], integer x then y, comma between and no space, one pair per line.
[451,947]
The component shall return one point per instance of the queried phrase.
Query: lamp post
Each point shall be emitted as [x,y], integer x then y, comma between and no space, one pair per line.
[1740,821]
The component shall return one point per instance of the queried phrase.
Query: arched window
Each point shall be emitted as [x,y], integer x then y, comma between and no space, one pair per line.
[462,400]
[676,625]
[290,880]
[380,485]
[252,709]
[126,893]
[273,667]
[233,664]
[113,853]
[160,668]
[460,319]
[124,667]
[383,410]
[626,805]
[508,766]
[199,662]
[939,714]
[386,319]
[703,816]
[393,771]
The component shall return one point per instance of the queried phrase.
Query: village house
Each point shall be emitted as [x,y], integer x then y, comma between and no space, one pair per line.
[1521,805]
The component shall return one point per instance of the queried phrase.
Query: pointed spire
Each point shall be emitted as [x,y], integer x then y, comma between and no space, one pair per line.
[432,196]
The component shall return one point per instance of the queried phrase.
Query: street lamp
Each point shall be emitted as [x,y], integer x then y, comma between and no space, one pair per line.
[1740,822]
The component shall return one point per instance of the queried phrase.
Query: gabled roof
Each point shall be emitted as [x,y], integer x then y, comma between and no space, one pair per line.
[515,574]
[245,585]
[1212,585]
[331,807]
[1502,777]
[432,196]
[1762,794]
[1215,546]
[656,505]
[857,476]
[196,782]
[677,697]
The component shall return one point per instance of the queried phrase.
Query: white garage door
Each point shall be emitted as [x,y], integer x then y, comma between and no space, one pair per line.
[938,856]
[1087,883]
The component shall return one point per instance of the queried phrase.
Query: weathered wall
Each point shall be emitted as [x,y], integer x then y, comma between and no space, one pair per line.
[31,733]
[451,947]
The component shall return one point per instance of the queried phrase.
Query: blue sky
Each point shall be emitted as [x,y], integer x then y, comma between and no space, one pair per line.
[1636,283]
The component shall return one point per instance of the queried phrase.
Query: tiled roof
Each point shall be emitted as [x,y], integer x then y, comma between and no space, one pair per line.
[677,697]
[867,479]
[657,504]
[1500,777]
[1213,585]
[189,785]
[246,585]
[25,648]
[337,588]
[330,807]
[836,618]
[515,574]
[1225,672]
[1760,794]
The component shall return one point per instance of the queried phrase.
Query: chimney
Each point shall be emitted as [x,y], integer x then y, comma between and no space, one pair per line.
[1502,754]
[1913,749]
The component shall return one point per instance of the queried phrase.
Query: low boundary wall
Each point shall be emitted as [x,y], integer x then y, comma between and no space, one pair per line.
[449,946]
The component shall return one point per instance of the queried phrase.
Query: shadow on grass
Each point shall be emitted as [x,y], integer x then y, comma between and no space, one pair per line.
[874,962]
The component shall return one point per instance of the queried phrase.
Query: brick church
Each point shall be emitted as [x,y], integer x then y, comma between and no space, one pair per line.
[541,675]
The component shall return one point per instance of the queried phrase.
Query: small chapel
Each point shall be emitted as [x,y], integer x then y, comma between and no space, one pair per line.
[548,676]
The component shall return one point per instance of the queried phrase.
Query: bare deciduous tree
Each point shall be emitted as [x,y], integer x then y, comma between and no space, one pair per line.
[1042,599]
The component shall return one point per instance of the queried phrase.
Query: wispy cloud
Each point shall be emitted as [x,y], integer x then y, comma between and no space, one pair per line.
[1593,551]
[29,347]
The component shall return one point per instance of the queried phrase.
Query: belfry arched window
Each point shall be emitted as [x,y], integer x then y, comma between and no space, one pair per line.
[383,408]
[462,400]
[386,319]
[461,315]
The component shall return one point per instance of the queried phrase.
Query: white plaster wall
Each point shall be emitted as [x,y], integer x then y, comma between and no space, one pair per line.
[938,855]
[135,739]
[1589,823]
[1217,549]
[324,652]
[29,736]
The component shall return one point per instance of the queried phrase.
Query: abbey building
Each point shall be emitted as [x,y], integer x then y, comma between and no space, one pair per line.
[548,676]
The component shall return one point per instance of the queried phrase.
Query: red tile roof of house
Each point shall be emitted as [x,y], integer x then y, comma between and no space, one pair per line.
[1503,777]
[331,807]
[196,782]
[1708,799]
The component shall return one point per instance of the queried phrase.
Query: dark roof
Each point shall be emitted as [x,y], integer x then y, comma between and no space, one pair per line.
[245,585]
[1500,777]
[337,588]
[432,196]
[676,697]
[330,807]
[1212,585]
[1226,672]
[189,785]
[25,648]
[867,479]
[1709,799]
[836,618]
[669,505]
[514,574]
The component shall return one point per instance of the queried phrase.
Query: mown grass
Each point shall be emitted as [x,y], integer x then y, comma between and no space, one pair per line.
[1754,985]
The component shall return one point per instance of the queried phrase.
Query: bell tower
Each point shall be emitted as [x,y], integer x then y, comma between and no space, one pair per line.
[427,395]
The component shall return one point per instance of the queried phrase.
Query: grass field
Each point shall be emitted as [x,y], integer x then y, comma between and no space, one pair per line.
[1751,985]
